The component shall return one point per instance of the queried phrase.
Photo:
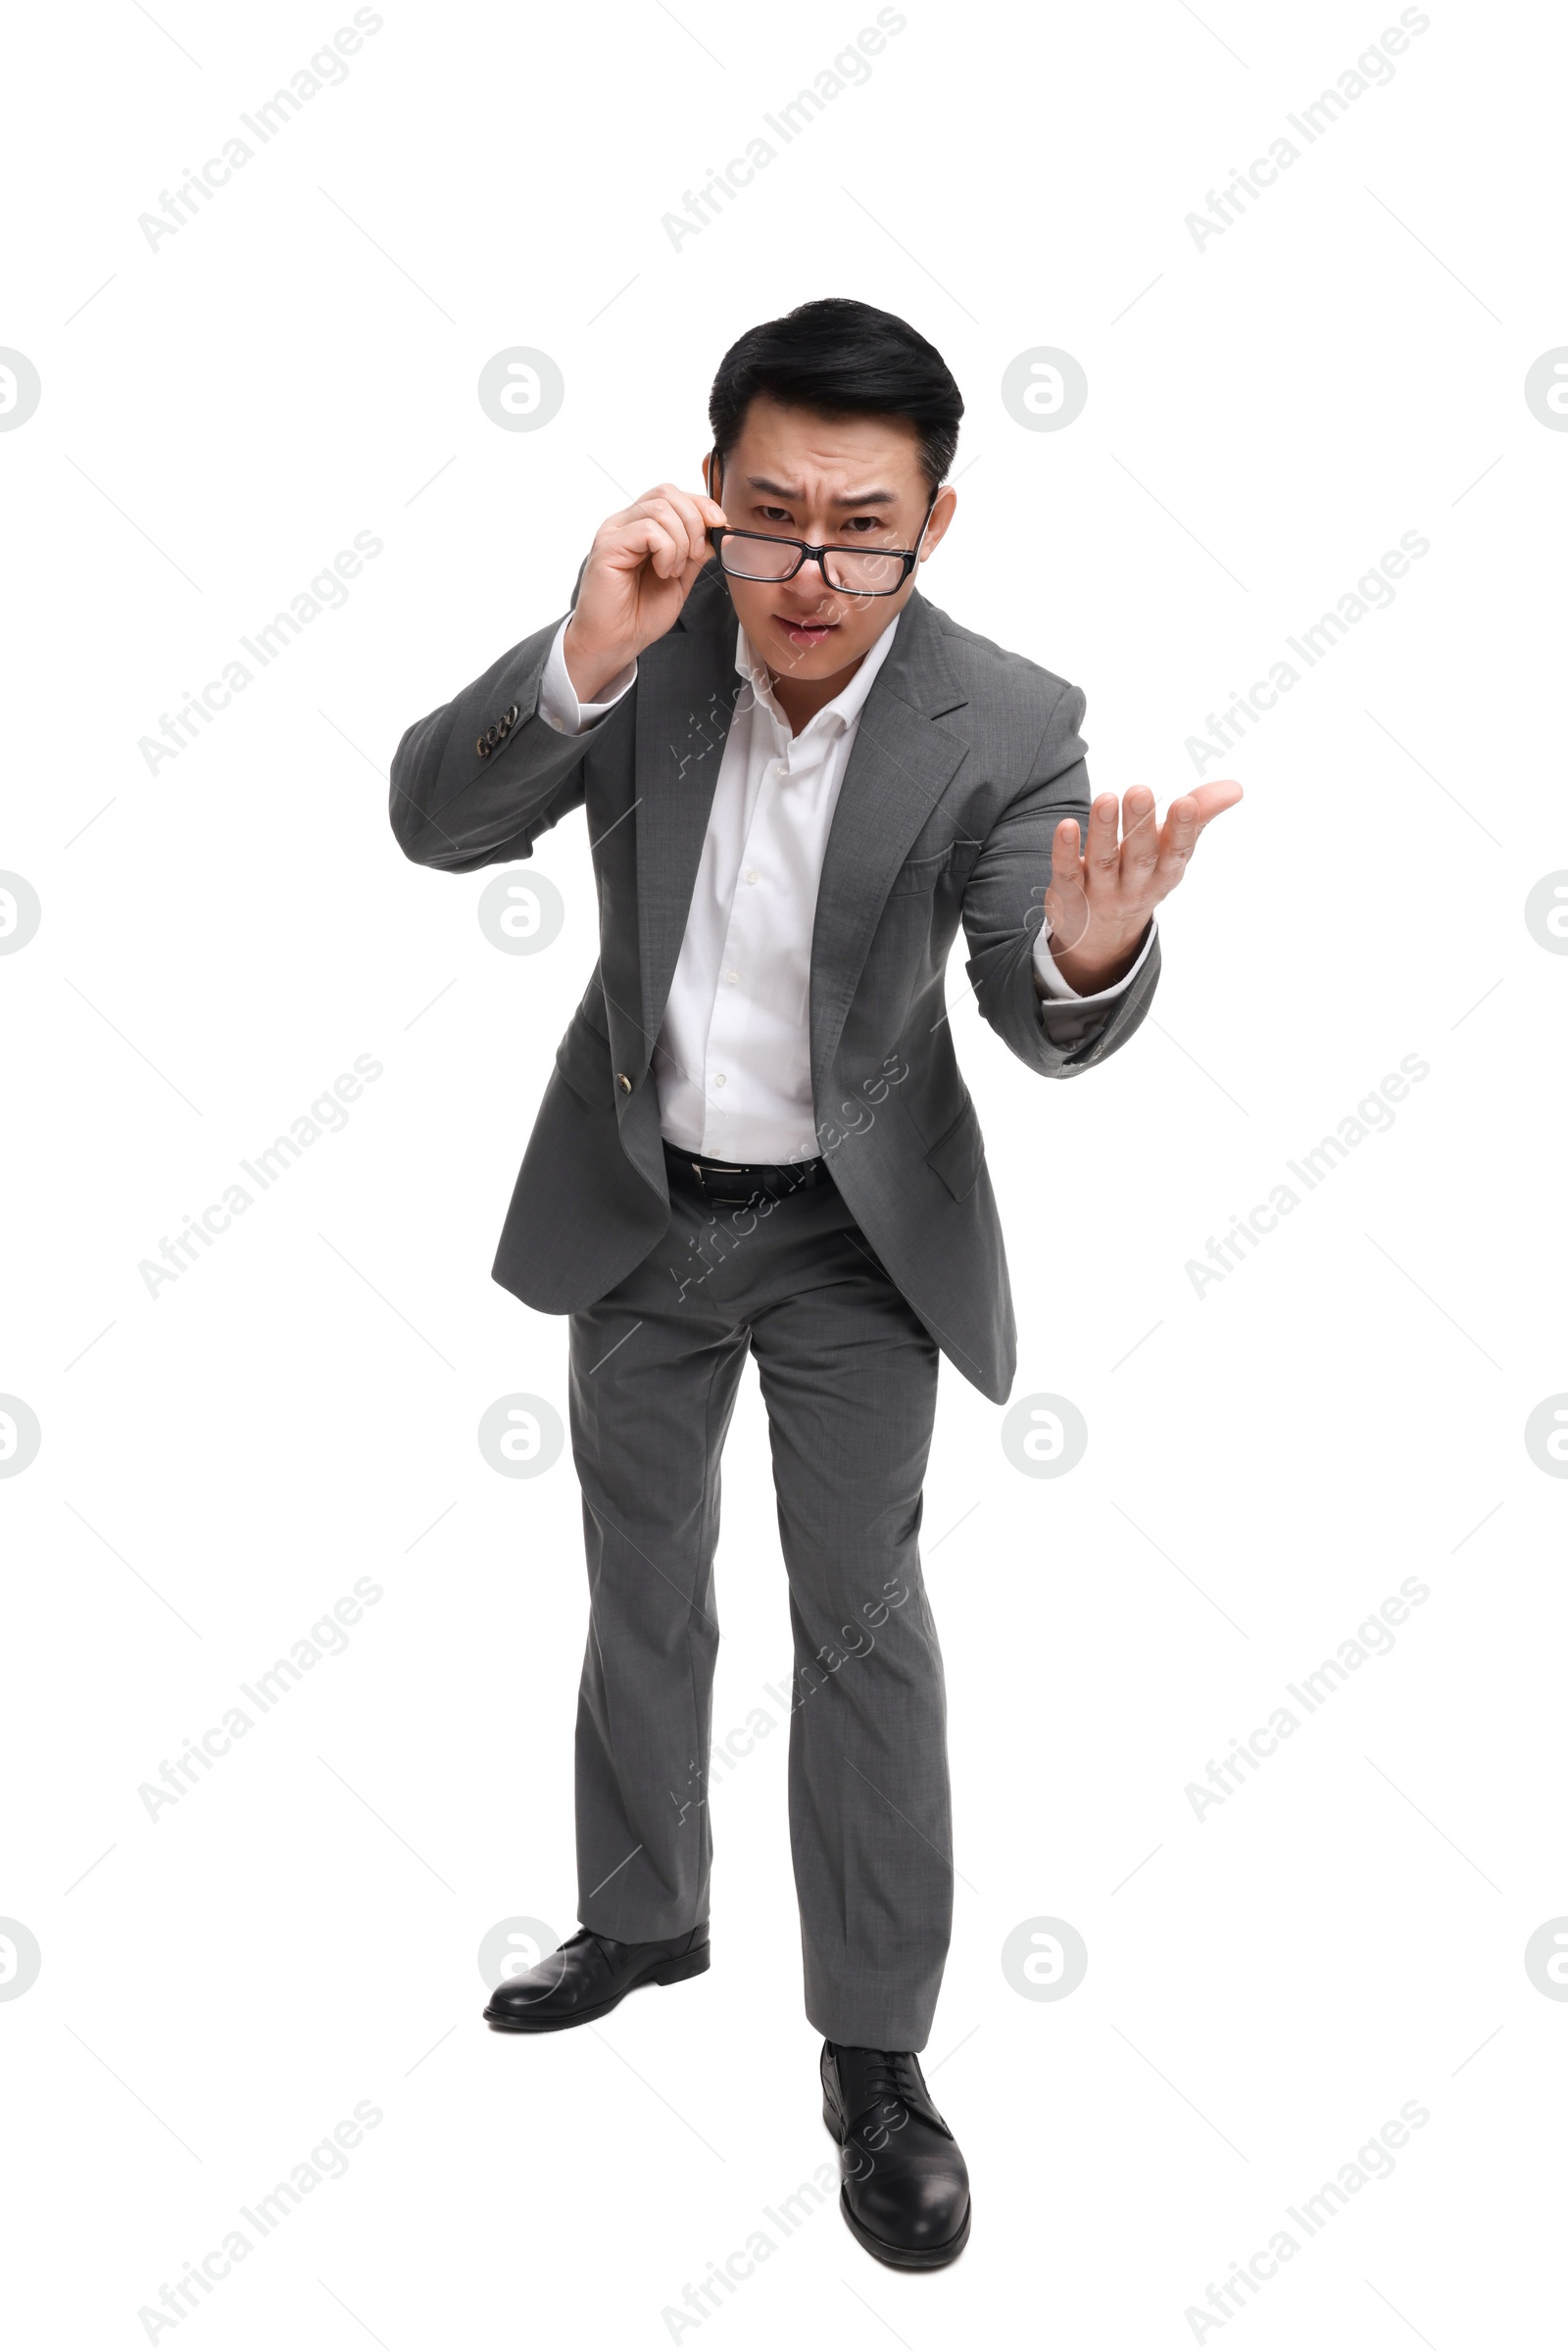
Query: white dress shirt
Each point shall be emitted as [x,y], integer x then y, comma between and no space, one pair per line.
[733,1063]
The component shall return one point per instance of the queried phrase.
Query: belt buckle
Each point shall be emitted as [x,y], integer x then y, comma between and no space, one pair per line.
[734,1186]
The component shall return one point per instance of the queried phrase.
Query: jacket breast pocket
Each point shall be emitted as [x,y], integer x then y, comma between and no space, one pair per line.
[959,1155]
[954,862]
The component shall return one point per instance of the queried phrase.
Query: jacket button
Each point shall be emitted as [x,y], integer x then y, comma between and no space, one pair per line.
[485,745]
[511,718]
[623,1081]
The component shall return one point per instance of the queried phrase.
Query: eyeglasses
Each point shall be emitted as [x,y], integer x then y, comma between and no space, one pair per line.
[855,571]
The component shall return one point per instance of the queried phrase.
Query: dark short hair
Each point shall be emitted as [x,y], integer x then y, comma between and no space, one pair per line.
[839,358]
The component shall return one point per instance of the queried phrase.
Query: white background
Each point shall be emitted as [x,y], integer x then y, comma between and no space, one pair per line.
[1266,1462]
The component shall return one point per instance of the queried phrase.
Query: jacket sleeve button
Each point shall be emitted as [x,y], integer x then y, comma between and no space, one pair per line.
[623,1081]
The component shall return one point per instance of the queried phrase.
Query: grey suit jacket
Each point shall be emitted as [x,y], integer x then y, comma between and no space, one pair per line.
[965,759]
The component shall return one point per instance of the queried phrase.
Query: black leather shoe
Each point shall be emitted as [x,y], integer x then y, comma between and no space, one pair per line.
[906,2193]
[588,1977]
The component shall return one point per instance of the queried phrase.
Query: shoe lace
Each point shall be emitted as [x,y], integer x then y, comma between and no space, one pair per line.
[882,2077]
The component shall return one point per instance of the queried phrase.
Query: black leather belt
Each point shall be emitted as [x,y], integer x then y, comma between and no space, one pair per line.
[724,1185]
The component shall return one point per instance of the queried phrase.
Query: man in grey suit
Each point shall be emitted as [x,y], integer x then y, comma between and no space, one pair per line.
[799,778]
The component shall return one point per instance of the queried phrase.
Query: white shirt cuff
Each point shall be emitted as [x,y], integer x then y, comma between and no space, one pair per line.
[559,706]
[1049,982]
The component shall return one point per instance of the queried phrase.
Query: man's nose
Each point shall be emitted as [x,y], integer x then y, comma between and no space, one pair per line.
[812,576]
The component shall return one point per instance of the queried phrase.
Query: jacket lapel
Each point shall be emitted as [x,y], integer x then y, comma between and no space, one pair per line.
[902,761]
[687,688]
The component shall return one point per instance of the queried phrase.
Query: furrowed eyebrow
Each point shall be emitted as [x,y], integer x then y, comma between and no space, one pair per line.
[760,481]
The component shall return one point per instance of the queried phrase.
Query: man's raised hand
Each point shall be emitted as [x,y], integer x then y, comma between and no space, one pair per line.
[1101,897]
[640,571]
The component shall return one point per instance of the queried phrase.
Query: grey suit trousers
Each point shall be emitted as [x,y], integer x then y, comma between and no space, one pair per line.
[849,1378]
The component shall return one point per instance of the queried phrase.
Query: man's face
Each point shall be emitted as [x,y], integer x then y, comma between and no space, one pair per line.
[845,481]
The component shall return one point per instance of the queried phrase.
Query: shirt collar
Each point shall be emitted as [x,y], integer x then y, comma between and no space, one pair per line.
[844,708]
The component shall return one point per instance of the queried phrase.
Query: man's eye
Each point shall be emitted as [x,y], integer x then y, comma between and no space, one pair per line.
[772,514]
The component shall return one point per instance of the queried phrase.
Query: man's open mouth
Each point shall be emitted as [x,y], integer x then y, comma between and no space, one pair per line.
[804,632]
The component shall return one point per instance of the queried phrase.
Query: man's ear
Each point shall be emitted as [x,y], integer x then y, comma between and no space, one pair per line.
[935,528]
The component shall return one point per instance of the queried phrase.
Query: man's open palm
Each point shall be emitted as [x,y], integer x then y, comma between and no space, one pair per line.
[1102,894]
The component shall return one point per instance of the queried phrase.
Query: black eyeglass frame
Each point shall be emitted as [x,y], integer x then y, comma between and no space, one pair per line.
[908,557]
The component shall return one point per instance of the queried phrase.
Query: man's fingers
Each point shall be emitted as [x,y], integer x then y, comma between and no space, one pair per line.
[683,529]
[1214,799]
[658,527]
[694,565]
[1064,855]
[1065,903]
[1129,860]
[650,540]
[667,528]
[1177,841]
[1200,807]
[695,511]
[1102,847]
[1182,821]
[686,508]
[1140,833]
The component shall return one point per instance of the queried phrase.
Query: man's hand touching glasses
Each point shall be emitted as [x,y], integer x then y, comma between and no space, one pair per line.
[641,568]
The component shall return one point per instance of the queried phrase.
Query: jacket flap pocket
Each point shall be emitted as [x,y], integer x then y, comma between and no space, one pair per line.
[583,1061]
[959,1156]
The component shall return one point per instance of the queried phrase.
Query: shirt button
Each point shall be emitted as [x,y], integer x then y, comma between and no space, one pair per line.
[719,1079]
[731,977]
[751,874]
